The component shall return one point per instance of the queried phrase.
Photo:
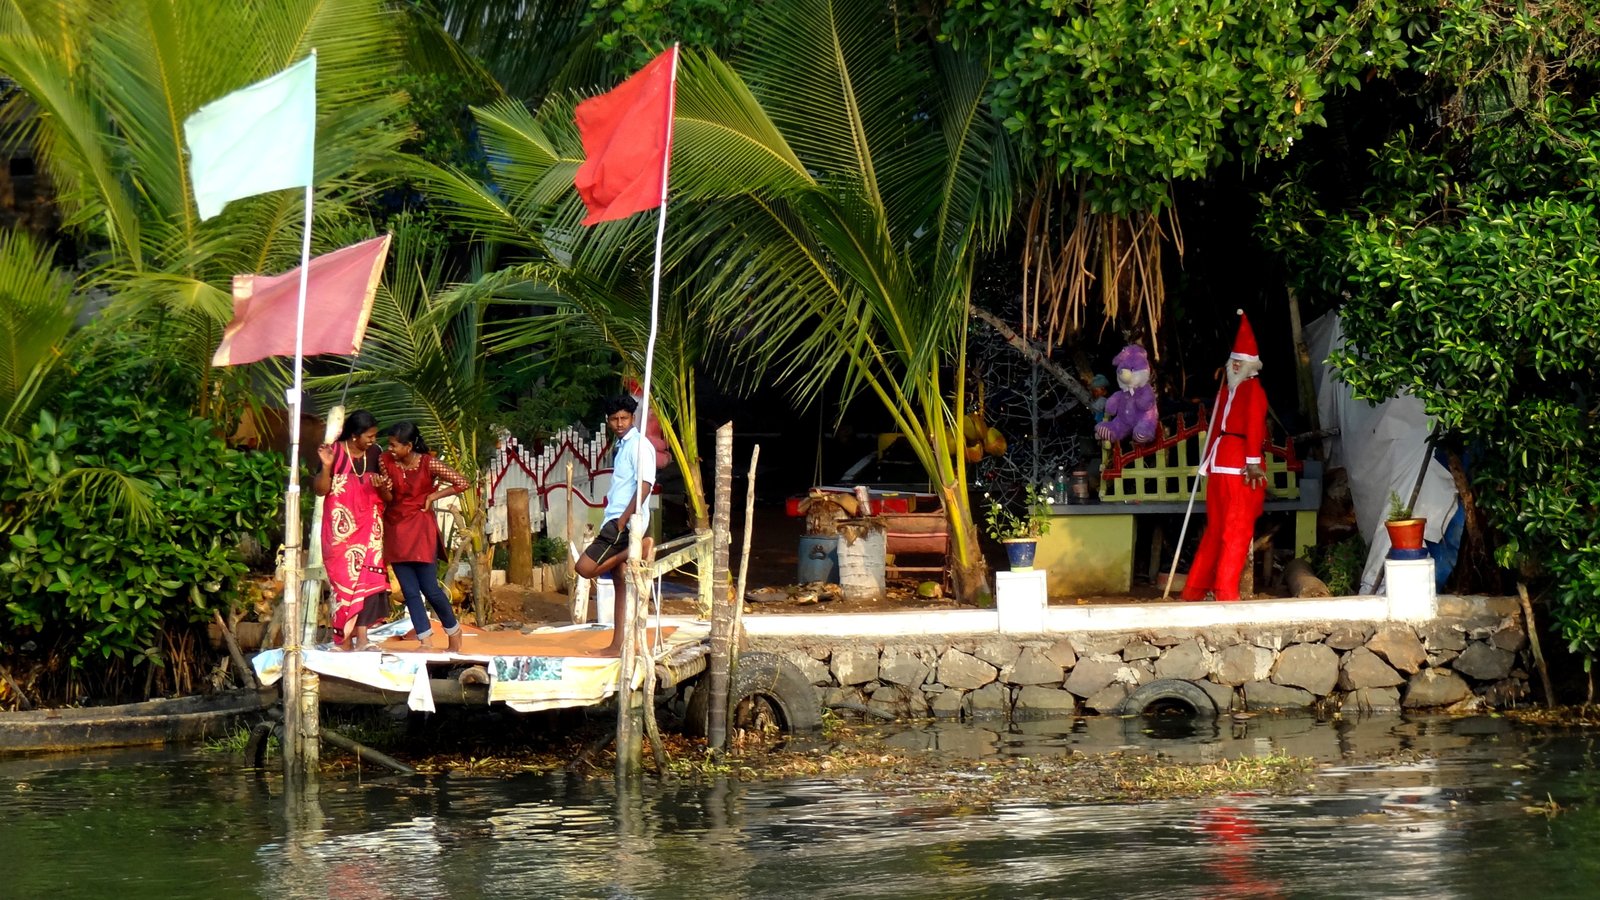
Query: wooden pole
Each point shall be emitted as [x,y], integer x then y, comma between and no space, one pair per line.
[1302,365]
[247,675]
[721,610]
[630,748]
[302,601]
[519,538]
[744,559]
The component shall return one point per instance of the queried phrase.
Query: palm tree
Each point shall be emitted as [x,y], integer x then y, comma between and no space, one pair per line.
[850,181]
[105,87]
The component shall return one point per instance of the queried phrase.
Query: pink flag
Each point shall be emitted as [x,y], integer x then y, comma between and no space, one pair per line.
[339,291]
[627,134]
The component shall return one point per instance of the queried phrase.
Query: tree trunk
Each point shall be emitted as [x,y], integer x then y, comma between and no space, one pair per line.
[721,610]
[1031,351]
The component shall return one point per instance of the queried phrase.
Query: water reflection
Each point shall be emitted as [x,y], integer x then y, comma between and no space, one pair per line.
[1447,817]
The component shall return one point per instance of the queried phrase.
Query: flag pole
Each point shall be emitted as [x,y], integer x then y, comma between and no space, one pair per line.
[629,746]
[300,721]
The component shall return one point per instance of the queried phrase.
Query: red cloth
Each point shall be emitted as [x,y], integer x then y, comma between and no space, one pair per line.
[627,134]
[1238,431]
[339,291]
[352,540]
[411,531]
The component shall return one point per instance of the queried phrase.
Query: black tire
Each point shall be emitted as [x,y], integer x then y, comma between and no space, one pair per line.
[764,685]
[1169,692]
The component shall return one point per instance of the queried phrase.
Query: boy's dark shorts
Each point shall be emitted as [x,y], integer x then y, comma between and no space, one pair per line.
[611,542]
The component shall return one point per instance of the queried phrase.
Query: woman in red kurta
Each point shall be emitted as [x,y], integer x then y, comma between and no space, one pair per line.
[411,541]
[355,489]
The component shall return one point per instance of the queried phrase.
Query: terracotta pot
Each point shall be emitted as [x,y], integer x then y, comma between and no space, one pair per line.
[1405,534]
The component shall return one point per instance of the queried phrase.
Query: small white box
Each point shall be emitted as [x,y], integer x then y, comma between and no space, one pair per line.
[605,600]
[1020,599]
[1408,583]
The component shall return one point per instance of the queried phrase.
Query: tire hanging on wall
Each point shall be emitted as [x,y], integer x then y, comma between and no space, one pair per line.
[760,678]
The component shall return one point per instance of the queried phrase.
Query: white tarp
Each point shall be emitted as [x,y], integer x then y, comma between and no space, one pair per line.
[1381,449]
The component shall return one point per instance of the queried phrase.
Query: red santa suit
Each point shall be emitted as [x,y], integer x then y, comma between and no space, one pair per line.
[1235,439]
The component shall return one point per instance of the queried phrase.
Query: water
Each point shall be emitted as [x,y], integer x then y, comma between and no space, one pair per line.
[1447,815]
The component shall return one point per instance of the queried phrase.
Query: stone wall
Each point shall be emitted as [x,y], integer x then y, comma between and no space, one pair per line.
[1473,654]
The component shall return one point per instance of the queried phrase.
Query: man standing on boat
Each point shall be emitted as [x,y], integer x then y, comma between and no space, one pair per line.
[633,476]
[1236,481]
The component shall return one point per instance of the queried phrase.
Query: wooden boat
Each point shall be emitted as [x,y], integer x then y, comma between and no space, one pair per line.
[180,719]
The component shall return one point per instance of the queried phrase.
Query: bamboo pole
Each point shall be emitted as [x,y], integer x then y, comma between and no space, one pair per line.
[744,559]
[1533,644]
[247,676]
[721,611]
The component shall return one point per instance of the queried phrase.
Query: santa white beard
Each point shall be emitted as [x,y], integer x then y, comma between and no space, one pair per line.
[1247,369]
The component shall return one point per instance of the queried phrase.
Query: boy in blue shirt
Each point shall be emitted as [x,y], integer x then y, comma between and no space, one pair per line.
[632,476]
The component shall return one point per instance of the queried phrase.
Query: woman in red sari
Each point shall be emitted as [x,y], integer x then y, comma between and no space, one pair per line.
[411,544]
[351,479]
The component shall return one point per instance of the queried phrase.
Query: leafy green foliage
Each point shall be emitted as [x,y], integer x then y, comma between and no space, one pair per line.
[1340,565]
[83,565]
[1033,520]
[634,31]
[1125,96]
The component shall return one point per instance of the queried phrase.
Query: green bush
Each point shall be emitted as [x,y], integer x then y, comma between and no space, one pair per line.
[108,570]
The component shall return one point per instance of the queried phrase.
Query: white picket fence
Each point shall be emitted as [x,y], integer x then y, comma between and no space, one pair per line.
[544,475]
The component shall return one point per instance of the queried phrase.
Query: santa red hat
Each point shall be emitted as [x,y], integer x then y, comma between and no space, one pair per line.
[1244,343]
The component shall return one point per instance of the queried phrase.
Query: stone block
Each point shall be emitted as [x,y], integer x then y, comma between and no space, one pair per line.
[1062,653]
[997,653]
[1034,667]
[1440,658]
[1434,687]
[1099,643]
[1399,647]
[855,665]
[947,705]
[1362,669]
[1242,663]
[1308,635]
[1511,638]
[1483,662]
[1223,696]
[902,665]
[1092,674]
[1310,666]
[814,671]
[1034,701]
[991,701]
[1187,661]
[1266,695]
[1106,700]
[1373,699]
[1136,650]
[1440,635]
[963,671]
[1348,637]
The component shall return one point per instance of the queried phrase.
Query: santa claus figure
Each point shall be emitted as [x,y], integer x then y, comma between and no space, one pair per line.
[1237,482]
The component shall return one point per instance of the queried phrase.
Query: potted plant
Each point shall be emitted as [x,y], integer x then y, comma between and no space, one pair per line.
[1405,530]
[1020,532]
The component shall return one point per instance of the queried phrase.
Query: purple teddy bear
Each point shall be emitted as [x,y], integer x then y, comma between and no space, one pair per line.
[1132,409]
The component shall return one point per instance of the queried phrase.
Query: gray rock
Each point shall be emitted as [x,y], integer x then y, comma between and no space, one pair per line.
[1100,643]
[1269,639]
[1374,699]
[892,699]
[1242,663]
[1223,696]
[1165,639]
[988,702]
[834,696]
[1440,658]
[1034,667]
[1310,666]
[960,670]
[1362,669]
[1217,640]
[1140,650]
[1437,635]
[1062,653]
[1034,701]
[1398,645]
[998,653]
[1308,635]
[1347,637]
[815,672]
[1506,692]
[1187,661]
[933,687]
[820,652]
[1435,687]
[1092,674]
[947,705]
[1266,695]
[855,665]
[902,665]
[1106,700]
[1483,662]
[1511,638]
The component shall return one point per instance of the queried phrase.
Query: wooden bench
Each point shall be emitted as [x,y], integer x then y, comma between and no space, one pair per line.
[1090,547]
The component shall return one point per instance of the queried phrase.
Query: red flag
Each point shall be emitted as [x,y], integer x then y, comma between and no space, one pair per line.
[627,134]
[339,290]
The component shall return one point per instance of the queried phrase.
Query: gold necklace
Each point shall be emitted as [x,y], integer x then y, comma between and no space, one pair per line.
[353,461]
